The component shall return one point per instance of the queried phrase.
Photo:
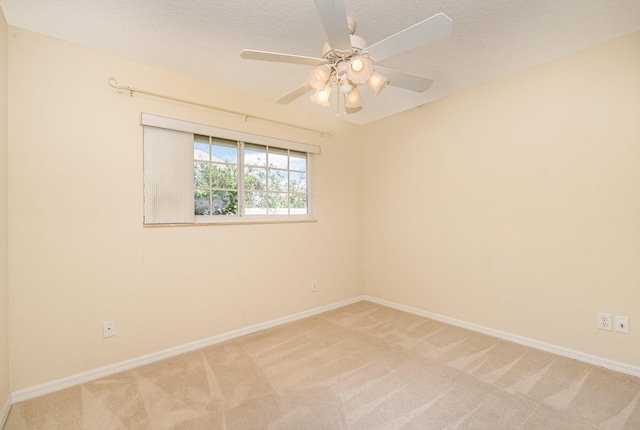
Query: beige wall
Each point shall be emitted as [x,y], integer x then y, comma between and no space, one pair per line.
[79,254]
[516,205]
[4,286]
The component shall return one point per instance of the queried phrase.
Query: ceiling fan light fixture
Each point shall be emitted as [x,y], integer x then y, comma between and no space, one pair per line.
[377,81]
[321,97]
[346,87]
[353,100]
[359,69]
[319,76]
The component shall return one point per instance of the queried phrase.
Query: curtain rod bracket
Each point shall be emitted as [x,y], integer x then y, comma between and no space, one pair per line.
[113,83]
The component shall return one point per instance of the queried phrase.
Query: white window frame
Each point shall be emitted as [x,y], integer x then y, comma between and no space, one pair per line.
[241,137]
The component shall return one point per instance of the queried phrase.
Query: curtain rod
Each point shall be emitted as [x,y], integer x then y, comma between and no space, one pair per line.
[113,83]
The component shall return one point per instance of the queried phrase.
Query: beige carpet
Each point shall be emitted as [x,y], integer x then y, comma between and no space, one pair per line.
[363,366]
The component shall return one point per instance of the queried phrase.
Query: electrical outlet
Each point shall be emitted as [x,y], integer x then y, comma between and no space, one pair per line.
[604,321]
[109,328]
[622,324]
[314,286]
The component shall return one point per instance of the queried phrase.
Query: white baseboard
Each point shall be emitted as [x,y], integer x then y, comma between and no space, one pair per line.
[91,375]
[565,352]
[60,384]
[4,412]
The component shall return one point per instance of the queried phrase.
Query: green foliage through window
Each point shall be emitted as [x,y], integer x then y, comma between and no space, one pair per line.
[274,180]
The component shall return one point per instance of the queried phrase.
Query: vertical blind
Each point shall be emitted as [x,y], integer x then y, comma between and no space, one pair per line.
[168,176]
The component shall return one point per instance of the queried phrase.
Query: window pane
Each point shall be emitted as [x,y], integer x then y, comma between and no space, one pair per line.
[278,158]
[255,203]
[202,202]
[298,204]
[224,151]
[298,182]
[224,202]
[216,178]
[224,176]
[277,180]
[201,148]
[298,161]
[278,204]
[201,174]
[255,155]
[255,178]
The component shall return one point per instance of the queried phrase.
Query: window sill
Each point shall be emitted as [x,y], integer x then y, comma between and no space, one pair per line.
[235,221]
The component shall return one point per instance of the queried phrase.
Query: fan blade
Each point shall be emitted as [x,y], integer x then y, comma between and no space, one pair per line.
[406,80]
[333,15]
[250,54]
[298,92]
[423,32]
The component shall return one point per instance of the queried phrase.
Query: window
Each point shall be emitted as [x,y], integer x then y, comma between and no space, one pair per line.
[215,176]
[200,174]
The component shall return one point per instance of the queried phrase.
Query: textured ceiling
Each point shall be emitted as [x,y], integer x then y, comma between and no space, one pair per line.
[202,38]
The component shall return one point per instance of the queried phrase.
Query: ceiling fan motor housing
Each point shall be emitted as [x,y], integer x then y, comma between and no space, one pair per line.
[357,44]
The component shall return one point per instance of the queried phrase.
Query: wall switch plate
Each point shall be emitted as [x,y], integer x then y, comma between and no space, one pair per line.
[622,324]
[314,286]
[604,321]
[109,329]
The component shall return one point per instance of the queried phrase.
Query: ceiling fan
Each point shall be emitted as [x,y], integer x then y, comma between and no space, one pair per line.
[347,61]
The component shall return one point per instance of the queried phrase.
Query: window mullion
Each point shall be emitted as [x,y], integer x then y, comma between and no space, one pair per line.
[241,178]
[288,181]
[266,181]
[210,186]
